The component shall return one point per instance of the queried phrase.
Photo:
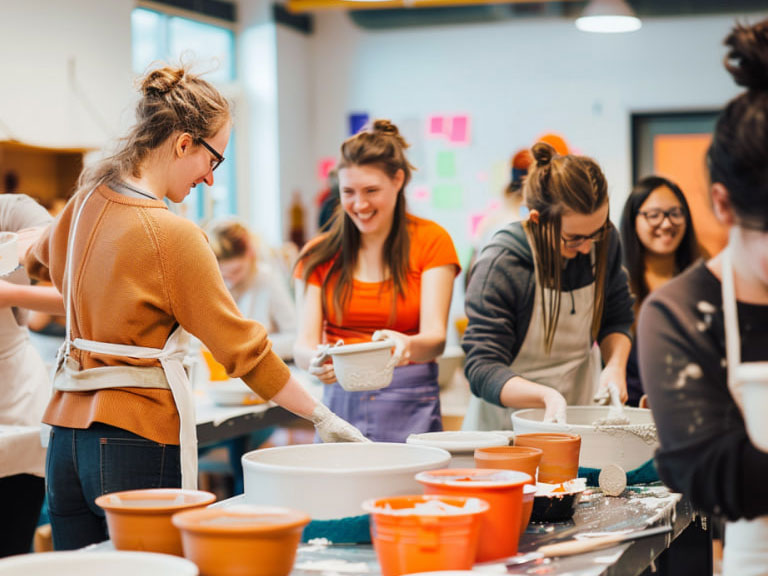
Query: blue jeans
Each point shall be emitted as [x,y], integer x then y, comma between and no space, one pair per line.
[84,464]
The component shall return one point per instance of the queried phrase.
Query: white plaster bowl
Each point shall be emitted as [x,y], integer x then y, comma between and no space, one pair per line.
[754,394]
[460,444]
[79,563]
[447,363]
[9,255]
[363,366]
[629,446]
[331,481]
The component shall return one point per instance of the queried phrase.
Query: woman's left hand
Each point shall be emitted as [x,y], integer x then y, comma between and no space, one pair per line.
[402,344]
[618,377]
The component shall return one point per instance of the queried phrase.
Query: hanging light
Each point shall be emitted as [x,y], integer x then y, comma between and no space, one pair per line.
[608,16]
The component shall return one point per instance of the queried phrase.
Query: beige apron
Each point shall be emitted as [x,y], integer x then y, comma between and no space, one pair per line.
[572,368]
[746,549]
[69,377]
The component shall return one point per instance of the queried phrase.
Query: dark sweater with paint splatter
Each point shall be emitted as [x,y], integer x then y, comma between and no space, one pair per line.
[705,452]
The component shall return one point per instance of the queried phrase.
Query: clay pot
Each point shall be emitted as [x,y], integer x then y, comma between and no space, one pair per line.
[521,458]
[560,458]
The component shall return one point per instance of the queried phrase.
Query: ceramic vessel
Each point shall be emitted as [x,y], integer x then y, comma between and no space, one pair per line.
[521,458]
[560,454]
[501,489]
[330,481]
[364,366]
[80,563]
[409,535]
[461,444]
[629,446]
[252,540]
[141,519]
[9,256]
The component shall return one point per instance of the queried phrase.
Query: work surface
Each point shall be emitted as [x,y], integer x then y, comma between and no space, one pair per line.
[636,509]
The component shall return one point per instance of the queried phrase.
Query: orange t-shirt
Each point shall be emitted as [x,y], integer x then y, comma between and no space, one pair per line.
[370,306]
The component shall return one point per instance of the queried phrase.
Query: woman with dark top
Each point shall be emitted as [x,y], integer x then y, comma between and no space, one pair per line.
[659,242]
[690,363]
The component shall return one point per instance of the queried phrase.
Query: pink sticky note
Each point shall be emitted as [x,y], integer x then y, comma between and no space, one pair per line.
[436,124]
[324,166]
[493,205]
[420,193]
[460,130]
[474,222]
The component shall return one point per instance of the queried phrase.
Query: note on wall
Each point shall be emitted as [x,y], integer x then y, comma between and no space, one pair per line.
[447,196]
[324,166]
[446,164]
[356,122]
[460,130]
[474,221]
[436,125]
[420,193]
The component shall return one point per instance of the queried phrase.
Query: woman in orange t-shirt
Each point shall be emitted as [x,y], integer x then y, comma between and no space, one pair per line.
[378,272]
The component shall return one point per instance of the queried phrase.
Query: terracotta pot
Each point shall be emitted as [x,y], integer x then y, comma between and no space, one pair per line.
[141,519]
[521,458]
[502,489]
[253,540]
[560,458]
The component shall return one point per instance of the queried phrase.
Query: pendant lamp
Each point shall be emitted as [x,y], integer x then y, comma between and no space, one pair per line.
[608,17]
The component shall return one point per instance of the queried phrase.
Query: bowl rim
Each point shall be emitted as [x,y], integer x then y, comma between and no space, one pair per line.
[359,347]
[105,501]
[295,469]
[67,557]
[190,520]
[451,440]
[441,477]
[523,414]
[370,507]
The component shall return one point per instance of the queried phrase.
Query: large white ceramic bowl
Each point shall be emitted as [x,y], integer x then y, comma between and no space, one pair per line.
[330,481]
[9,256]
[460,444]
[629,446]
[363,366]
[80,563]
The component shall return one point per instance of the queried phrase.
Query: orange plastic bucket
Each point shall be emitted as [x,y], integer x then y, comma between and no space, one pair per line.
[502,489]
[423,540]
[216,370]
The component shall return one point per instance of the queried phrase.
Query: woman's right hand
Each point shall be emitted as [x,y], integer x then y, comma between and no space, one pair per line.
[554,407]
[321,367]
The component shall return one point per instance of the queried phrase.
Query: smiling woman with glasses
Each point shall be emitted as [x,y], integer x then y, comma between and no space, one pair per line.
[542,293]
[659,242]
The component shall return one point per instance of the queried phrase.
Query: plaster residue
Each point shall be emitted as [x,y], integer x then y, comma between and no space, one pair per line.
[646,432]
[705,307]
[334,566]
[692,371]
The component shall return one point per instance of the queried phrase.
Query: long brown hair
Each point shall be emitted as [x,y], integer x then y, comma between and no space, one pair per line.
[382,146]
[173,100]
[555,185]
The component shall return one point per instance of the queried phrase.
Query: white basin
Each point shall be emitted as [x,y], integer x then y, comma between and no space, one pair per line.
[461,444]
[79,563]
[329,481]
[629,446]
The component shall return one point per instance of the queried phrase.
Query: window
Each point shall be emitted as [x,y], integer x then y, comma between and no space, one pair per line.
[210,49]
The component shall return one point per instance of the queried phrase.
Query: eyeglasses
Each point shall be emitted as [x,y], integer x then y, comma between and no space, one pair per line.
[576,241]
[656,216]
[217,158]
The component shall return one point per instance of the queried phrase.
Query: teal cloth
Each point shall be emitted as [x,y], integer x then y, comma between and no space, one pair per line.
[349,530]
[645,474]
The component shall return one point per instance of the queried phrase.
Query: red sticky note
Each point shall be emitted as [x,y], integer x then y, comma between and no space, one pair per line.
[460,130]
[324,166]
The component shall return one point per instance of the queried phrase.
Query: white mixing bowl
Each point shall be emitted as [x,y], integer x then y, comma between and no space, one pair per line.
[460,443]
[329,481]
[79,563]
[629,446]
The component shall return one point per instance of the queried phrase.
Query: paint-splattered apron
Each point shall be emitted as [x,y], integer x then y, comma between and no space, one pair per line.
[69,377]
[572,368]
[409,405]
[746,541]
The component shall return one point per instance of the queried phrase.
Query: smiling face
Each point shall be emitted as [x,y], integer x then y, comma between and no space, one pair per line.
[369,196]
[579,231]
[235,271]
[194,163]
[661,238]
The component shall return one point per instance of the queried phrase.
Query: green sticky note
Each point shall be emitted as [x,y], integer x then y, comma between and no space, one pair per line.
[464,252]
[446,164]
[447,196]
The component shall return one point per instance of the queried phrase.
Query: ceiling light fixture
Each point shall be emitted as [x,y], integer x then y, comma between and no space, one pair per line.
[608,17]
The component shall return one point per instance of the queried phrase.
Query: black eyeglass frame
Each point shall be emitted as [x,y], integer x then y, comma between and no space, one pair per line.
[219,158]
[665,214]
[596,236]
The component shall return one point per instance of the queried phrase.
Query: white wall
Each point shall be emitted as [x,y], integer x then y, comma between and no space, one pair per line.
[66,71]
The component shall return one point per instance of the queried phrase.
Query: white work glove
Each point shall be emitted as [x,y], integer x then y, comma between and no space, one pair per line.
[331,428]
[320,367]
[554,407]
[402,353]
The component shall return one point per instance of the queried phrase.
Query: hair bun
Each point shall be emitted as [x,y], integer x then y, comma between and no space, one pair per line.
[385,127]
[161,81]
[747,58]
[543,153]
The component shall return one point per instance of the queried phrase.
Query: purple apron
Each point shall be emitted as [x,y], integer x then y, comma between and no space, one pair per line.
[409,405]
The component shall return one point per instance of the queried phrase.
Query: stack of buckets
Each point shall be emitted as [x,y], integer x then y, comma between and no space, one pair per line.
[485,526]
